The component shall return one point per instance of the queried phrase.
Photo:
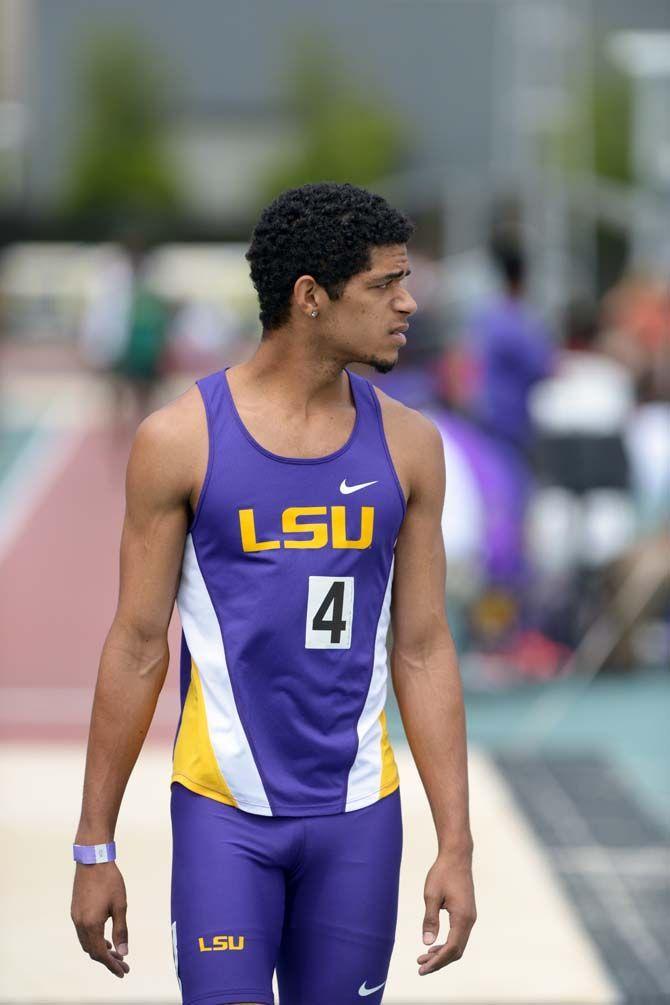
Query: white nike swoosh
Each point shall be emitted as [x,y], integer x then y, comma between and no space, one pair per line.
[365,991]
[347,489]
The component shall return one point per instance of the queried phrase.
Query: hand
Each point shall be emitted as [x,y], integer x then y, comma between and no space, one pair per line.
[99,893]
[449,886]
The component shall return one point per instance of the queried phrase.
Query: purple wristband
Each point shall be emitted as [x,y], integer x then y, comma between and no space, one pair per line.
[91,854]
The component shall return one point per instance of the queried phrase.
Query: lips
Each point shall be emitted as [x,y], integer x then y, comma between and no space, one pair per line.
[398,335]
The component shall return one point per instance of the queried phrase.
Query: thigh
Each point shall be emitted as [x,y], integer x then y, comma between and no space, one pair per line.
[342,907]
[227,901]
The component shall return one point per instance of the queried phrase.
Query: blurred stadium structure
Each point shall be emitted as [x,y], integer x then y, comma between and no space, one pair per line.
[531,142]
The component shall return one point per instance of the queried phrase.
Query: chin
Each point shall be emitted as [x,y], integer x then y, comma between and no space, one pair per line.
[382,365]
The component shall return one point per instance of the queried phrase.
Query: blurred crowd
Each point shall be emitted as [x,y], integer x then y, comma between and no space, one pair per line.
[557,446]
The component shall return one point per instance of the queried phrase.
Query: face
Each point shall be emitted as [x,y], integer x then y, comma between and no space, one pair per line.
[366,324]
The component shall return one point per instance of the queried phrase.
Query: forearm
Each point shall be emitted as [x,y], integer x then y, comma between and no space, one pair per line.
[428,689]
[131,675]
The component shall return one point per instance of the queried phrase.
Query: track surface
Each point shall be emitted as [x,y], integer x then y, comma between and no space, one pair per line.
[59,582]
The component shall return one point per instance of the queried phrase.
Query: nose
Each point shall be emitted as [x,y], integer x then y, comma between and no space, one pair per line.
[405,302]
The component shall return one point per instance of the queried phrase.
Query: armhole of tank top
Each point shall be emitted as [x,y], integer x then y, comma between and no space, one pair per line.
[210,461]
[382,433]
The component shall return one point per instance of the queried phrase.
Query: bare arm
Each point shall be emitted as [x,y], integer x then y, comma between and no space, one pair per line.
[133,664]
[428,688]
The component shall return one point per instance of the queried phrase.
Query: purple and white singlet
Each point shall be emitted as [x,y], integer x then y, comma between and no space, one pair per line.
[284,602]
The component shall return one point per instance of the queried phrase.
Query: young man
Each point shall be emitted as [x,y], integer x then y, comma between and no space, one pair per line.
[293,510]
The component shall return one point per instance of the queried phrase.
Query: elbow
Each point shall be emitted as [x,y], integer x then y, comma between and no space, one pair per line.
[140,647]
[422,652]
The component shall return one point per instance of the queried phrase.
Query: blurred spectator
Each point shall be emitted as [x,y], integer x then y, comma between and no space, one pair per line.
[581,412]
[636,326]
[125,330]
[582,517]
[636,320]
[506,351]
[511,350]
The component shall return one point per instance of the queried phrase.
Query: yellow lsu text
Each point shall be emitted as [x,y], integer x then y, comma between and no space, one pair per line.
[220,943]
[333,528]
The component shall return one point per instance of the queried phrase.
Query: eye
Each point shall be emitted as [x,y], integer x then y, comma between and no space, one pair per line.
[385,286]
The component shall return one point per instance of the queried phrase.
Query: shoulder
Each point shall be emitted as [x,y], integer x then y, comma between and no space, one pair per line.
[168,446]
[408,423]
[171,428]
[414,440]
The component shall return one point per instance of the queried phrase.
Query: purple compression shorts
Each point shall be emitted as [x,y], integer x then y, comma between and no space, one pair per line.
[315,898]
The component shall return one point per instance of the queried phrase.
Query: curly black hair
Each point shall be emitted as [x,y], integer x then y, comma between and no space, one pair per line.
[325,230]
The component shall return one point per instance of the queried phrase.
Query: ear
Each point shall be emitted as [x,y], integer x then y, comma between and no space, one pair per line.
[308,296]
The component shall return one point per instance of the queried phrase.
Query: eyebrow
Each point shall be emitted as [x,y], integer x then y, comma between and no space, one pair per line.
[391,275]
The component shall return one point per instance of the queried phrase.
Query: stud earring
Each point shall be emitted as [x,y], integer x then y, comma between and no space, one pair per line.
[315,314]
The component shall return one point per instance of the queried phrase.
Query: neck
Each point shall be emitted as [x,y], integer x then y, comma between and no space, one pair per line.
[299,375]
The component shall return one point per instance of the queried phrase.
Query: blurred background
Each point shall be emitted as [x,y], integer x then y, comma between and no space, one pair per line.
[530,142]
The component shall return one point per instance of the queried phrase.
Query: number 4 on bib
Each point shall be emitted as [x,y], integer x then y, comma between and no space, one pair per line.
[330,607]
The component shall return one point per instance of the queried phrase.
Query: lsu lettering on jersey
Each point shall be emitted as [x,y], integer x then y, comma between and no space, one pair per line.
[284,601]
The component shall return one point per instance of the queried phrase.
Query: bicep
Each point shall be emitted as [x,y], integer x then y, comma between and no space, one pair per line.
[418,602]
[152,541]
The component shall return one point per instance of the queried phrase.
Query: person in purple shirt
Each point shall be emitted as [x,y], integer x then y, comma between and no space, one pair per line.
[512,351]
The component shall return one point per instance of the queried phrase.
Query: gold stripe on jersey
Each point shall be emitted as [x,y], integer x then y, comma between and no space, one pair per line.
[389,775]
[195,765]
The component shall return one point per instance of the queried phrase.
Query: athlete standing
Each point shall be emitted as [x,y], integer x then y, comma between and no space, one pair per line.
[293,511]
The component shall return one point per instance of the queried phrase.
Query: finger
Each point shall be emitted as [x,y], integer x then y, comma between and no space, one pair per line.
[430,952]
[116,955]
[120,928]
[431,919]
[99,952]
[87,935]
[452,950]
[448,953]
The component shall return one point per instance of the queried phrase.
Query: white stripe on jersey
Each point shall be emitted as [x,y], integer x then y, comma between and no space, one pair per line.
[366,771]
[226,732]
